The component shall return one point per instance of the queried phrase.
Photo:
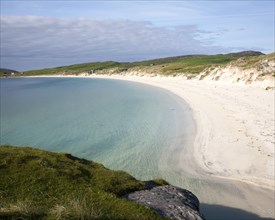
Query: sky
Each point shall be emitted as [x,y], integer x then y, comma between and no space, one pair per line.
[39,34]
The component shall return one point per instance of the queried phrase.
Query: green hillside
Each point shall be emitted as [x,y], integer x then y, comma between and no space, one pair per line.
[37,184]
[74,69]
[8,72]
[191,64]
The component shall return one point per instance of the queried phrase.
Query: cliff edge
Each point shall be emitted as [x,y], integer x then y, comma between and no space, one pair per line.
[37,184]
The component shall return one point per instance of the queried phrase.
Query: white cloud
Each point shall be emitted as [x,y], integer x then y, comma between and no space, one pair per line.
[81,40]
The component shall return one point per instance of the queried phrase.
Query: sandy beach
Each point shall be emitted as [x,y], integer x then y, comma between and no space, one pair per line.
[234,143]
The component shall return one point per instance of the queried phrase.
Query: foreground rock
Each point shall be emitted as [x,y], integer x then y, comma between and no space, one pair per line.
[169,201]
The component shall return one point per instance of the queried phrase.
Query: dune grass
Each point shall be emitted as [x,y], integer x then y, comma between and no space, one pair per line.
[196,64]
[37,184]
[253,61]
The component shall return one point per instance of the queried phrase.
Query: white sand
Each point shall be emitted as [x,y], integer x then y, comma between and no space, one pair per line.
[235,135]
[235,126]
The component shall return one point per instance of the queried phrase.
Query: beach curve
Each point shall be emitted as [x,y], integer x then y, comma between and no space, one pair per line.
[235,136]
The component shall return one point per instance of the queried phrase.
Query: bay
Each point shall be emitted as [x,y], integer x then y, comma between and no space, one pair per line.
[124,125]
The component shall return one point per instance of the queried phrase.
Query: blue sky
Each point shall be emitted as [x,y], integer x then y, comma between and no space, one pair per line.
[39,34]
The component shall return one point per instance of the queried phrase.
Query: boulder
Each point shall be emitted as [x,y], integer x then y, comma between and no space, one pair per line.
[169,201]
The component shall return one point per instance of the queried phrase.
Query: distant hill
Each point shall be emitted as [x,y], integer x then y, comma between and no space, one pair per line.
[247,53]
[178,65]
[176,58]
[7,72]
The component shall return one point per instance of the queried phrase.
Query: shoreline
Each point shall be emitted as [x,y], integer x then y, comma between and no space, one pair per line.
[240,131]
[233,148]
[234,144]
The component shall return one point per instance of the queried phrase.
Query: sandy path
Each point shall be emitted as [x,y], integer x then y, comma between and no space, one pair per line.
[234,145]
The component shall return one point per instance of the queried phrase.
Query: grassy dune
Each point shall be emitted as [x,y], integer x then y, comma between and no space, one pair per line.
[37,184]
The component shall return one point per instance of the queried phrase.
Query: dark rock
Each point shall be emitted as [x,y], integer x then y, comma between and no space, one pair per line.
[169,201]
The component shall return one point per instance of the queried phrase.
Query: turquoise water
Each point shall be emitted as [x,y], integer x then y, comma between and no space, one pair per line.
[124,125]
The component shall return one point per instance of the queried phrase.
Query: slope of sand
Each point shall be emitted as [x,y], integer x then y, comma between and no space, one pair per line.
[234,140]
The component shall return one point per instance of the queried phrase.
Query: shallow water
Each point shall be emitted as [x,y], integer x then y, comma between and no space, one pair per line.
[124,125]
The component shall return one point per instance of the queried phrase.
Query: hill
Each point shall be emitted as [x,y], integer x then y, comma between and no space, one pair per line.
[244,67]
[37,184]
[7,72]
[164,66]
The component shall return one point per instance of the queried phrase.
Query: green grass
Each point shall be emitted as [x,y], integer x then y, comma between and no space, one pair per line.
[74,69]
[167,66]
[2,73]
[7,72]
[195,65]
[37,184]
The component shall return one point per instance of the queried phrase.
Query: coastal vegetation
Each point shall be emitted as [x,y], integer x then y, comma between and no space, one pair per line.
[8,72]
[179,65]
[37,184]
[252,61]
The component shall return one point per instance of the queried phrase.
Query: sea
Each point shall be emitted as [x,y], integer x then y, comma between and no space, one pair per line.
[124,125]
[137,128]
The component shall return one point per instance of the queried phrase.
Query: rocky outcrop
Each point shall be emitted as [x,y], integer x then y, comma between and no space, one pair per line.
[169,201]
